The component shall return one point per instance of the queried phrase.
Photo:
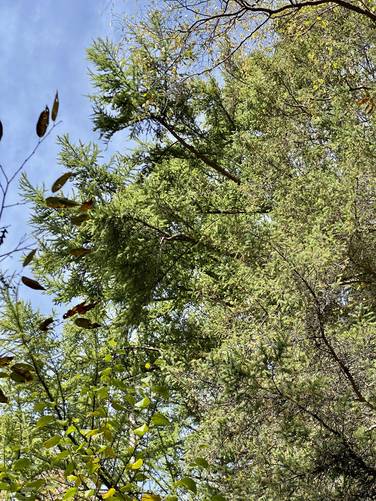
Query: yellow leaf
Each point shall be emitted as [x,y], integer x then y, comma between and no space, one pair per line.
[137,464]
[150,497]
[109,494]
[141,430]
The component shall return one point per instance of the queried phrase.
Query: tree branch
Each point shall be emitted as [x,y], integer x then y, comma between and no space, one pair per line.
[198,154]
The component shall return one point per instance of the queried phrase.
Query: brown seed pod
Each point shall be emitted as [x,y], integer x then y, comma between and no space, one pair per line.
[43,326]
[29,257]
[4,361]
[85,323]
[89,204]
[81,218]
[42,123]
[60,203]
[80,308]
[55,107]
[3,397]
[80,251]
[33,284]
[59,183]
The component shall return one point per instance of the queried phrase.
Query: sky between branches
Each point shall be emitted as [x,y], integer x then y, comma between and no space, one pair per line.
[43,48]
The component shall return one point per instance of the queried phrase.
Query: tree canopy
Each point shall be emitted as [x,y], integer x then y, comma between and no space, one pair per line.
[218,336]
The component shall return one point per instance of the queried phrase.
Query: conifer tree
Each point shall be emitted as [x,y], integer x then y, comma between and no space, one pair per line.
[221,343]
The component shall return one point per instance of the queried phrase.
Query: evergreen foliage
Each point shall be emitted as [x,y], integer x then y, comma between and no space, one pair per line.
[228,349]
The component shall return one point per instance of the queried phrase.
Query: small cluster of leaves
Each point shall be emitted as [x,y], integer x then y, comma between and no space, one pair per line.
[19,372]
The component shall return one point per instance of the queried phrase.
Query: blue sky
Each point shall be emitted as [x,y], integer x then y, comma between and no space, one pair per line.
[42,48]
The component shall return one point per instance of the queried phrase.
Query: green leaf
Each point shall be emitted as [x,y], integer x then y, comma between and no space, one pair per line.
[201,462]
[160,419]
[40,406]
[143,404]
[187,483]
[106,372]
[163,391]
[118,407]
[70,429]
[22,464]
[62,455]
[100,412]
[69,469]
[129,398]
[35,484]
[89,493]
[102,392]
[141,430]
[108,452]
[51,442]
[70,493]
[107,433]
[45,421]
[92,433]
